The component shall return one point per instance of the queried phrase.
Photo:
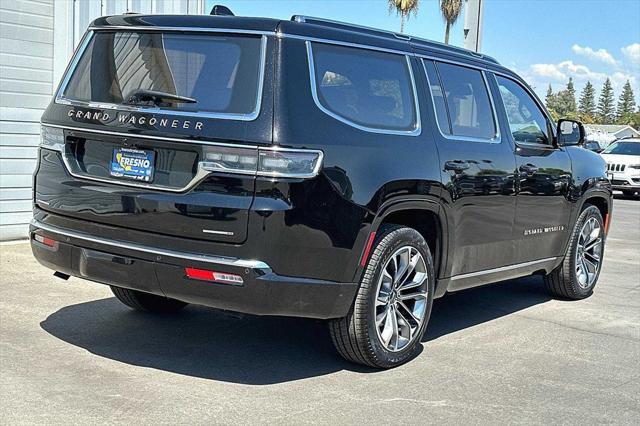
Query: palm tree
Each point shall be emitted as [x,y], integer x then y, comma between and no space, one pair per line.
[403,8]
[450,12]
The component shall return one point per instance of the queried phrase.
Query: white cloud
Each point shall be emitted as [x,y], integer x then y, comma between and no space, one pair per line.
[599,55]
[562,71]
[541,75]
[632,53]
[551,71]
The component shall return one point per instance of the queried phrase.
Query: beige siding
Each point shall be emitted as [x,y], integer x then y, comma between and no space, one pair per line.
[26,66]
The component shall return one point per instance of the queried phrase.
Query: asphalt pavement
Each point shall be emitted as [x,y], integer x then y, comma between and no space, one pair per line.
[70,353]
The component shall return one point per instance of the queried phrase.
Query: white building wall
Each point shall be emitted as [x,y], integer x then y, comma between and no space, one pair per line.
[37,38]
[26,78]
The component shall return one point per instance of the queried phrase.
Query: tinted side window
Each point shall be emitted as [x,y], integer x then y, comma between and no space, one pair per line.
[526,121]
[365,87]
[438,98]
[468,102]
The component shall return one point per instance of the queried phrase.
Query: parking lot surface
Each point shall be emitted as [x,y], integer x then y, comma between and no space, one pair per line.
[71,353]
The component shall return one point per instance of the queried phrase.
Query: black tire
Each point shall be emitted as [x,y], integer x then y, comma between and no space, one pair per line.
[147,302]
[629,193]
[355,336]
[563,282]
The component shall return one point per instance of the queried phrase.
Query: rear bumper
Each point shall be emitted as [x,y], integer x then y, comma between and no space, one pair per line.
[162,272]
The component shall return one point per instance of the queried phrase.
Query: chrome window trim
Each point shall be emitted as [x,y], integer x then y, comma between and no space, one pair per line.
[61,99]
[416,131]
[227,261]
[201,172]
[495,140]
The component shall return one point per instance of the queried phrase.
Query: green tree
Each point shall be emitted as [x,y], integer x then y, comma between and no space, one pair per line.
[632,119]
[627,101]
[566,101]
[404,8]
[606,113]
[550,100]
[587,104]
[450,12]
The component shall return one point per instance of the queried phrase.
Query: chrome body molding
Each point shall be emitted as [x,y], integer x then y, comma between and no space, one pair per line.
[213,231]
[216,260]
[314,92]
[61,99]
[139,136]
[503,269]
[199,176]
[201,173]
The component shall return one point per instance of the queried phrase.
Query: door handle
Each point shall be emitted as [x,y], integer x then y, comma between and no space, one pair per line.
[528,168]
[456,166]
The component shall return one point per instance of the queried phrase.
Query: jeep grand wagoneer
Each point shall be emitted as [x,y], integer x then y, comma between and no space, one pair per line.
[308,168]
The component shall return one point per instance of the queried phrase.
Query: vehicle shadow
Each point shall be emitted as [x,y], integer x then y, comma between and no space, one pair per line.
[464,309]
[213,344]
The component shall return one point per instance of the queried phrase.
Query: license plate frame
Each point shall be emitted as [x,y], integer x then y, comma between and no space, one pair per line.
[133,164]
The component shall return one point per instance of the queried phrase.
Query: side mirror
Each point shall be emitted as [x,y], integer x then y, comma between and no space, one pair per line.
[570,132]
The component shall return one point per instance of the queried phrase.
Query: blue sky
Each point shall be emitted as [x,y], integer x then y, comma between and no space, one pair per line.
[546,41]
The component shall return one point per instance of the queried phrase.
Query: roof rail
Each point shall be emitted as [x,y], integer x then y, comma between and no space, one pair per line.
[384,33]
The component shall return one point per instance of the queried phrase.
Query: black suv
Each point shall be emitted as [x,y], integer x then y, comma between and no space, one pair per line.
[308,168]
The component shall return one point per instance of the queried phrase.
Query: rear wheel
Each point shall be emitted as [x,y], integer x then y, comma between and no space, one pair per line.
[392,308]
[629,193]
[147,302]
[578,274]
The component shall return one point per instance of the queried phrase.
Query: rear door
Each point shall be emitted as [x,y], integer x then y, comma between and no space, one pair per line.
[477,168]
[544,175]
[161,131]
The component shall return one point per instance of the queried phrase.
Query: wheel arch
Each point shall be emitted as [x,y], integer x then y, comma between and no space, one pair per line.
[602,200]
[423,215]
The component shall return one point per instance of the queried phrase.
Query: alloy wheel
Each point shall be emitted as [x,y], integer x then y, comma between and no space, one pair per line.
[589,253]
[401,298]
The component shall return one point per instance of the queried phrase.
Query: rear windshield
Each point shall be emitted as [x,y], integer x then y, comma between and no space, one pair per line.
[217,74]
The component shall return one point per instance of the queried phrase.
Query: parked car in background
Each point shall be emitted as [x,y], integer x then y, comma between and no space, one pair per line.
[593,146]
[623,165]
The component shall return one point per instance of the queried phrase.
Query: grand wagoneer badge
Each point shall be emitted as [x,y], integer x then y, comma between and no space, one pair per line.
[145,120]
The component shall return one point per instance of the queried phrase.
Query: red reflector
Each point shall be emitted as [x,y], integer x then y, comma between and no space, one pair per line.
[219,277]
[367,249]
[45,240]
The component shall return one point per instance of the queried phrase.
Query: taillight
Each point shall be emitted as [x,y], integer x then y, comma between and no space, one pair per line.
[262,161]
[207,275]
[49,242]
[52,138]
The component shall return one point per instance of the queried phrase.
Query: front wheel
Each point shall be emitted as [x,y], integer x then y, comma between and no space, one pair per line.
[392,308]
[578,274]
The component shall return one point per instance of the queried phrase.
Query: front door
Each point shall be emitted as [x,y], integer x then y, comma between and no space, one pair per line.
[544,176]
[477,169]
